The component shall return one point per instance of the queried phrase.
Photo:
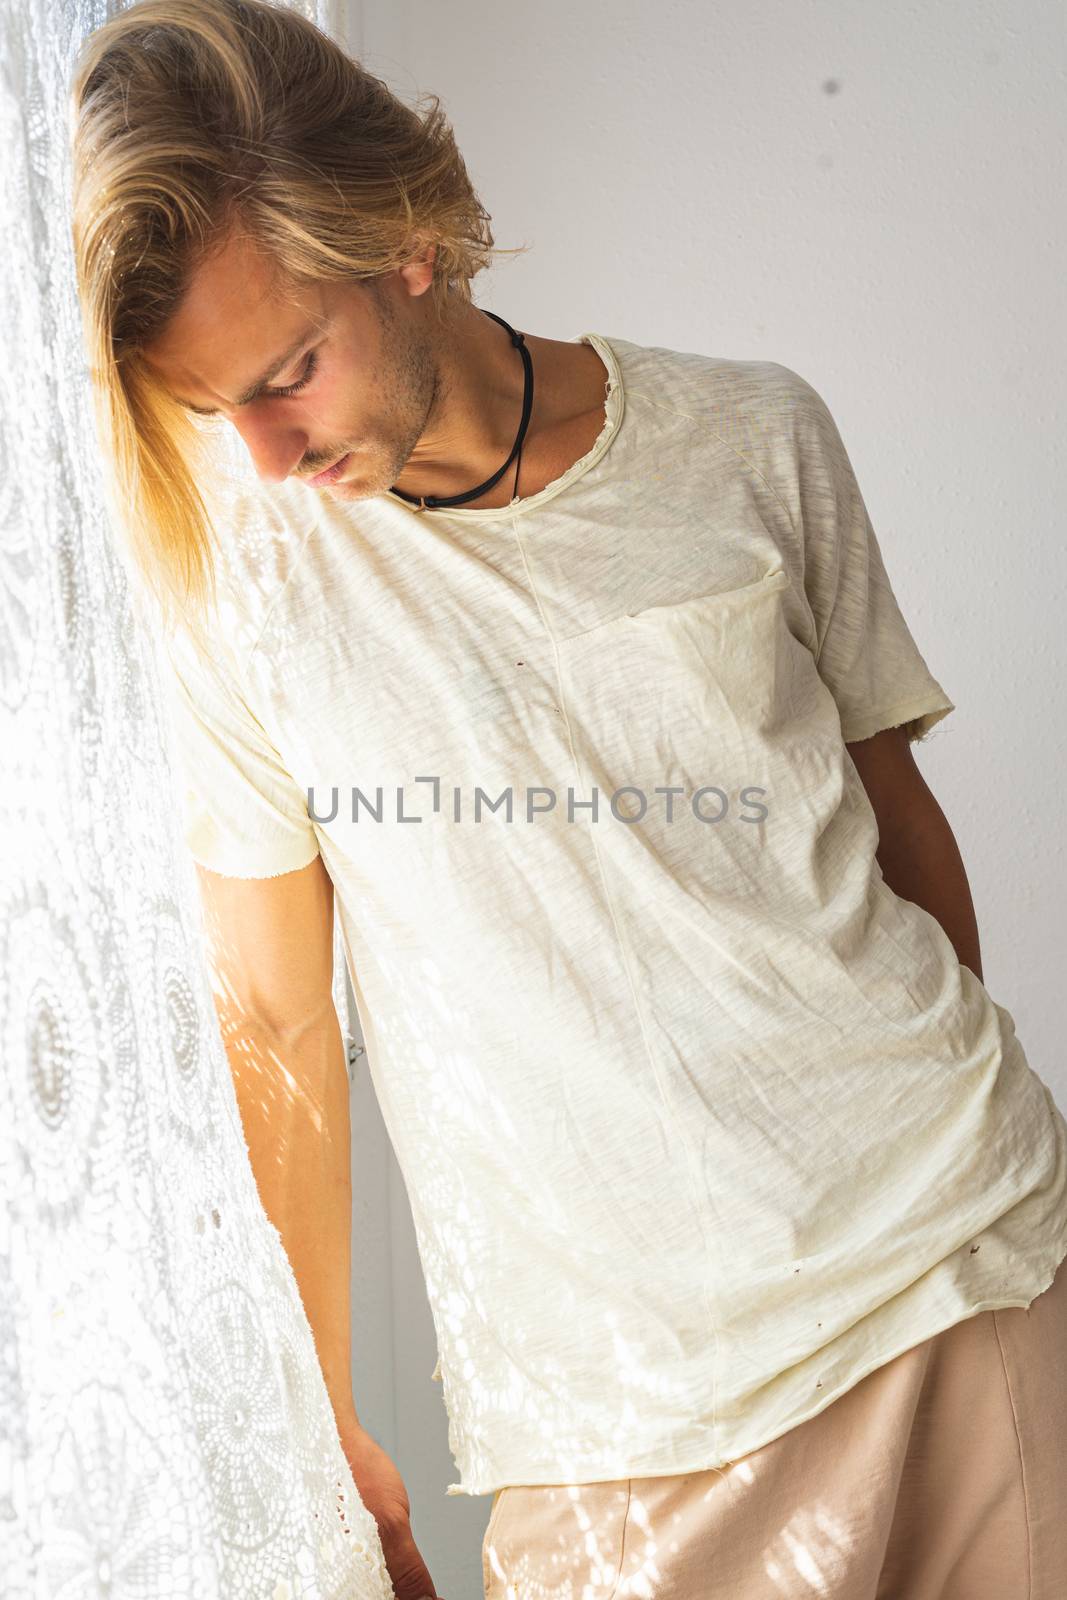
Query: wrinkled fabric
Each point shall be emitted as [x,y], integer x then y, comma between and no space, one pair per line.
[700,1123]
[940,1476]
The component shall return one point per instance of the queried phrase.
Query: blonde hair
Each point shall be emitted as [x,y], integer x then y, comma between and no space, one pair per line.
[189,116]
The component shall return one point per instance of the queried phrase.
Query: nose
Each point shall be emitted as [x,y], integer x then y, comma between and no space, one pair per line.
[276,448]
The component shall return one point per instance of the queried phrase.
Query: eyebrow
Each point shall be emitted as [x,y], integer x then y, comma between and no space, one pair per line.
[256,388]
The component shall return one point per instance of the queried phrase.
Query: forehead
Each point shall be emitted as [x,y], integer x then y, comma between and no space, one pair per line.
[236,313]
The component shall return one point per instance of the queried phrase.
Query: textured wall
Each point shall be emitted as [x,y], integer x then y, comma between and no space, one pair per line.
[164,1427]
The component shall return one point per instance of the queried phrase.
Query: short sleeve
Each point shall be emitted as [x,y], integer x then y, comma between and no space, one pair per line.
[243,814]
[865,652]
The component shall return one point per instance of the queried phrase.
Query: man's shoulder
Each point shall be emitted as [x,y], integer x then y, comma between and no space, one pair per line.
[746,401]
[261,530]
[260,535]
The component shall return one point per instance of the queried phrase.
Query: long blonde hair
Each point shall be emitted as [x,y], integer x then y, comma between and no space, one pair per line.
[186,116]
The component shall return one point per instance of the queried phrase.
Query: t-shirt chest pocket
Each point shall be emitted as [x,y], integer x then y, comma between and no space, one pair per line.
[656,695]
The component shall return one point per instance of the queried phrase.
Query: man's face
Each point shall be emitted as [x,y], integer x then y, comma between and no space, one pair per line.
[363,354]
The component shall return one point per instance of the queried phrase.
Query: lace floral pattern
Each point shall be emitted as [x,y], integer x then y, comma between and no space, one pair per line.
[165,1432]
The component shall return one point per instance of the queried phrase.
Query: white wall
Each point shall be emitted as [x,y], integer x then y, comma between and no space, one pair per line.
[872,196]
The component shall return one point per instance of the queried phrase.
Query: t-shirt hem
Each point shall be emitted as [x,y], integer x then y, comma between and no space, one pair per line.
[701,1461]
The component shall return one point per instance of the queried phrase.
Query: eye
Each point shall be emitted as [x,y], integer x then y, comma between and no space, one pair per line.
[301,383]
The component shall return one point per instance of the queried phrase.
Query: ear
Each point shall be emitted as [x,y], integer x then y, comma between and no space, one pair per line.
[417,273]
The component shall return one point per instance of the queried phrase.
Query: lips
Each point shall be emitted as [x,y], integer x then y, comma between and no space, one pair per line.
[330,473]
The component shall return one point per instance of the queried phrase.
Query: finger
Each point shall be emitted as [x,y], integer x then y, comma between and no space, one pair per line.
[409,1574]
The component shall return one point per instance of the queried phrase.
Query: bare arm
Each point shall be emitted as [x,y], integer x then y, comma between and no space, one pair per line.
[917,850]
[270,944]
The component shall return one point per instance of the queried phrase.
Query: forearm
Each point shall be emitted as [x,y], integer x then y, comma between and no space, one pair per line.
[293,1095]
[921,862]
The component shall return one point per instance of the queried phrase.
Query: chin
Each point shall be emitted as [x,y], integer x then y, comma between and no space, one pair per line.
[348,489]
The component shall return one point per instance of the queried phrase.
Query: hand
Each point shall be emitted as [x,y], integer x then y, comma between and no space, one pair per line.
[382,1491]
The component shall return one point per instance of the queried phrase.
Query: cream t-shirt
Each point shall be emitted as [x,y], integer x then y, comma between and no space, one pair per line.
[699,1121]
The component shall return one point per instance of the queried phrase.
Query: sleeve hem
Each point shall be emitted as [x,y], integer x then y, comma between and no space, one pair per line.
[244,862]
[918,716]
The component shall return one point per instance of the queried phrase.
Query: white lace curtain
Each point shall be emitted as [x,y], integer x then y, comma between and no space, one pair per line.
[165,1432]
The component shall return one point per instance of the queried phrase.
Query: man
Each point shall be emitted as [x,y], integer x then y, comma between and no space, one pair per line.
[572,669]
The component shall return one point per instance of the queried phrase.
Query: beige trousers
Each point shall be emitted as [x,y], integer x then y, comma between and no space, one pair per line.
[942,1475]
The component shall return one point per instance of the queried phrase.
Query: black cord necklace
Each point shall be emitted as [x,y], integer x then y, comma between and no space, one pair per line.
[428,502]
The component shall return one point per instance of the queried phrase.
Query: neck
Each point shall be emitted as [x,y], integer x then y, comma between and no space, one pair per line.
[476,407]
